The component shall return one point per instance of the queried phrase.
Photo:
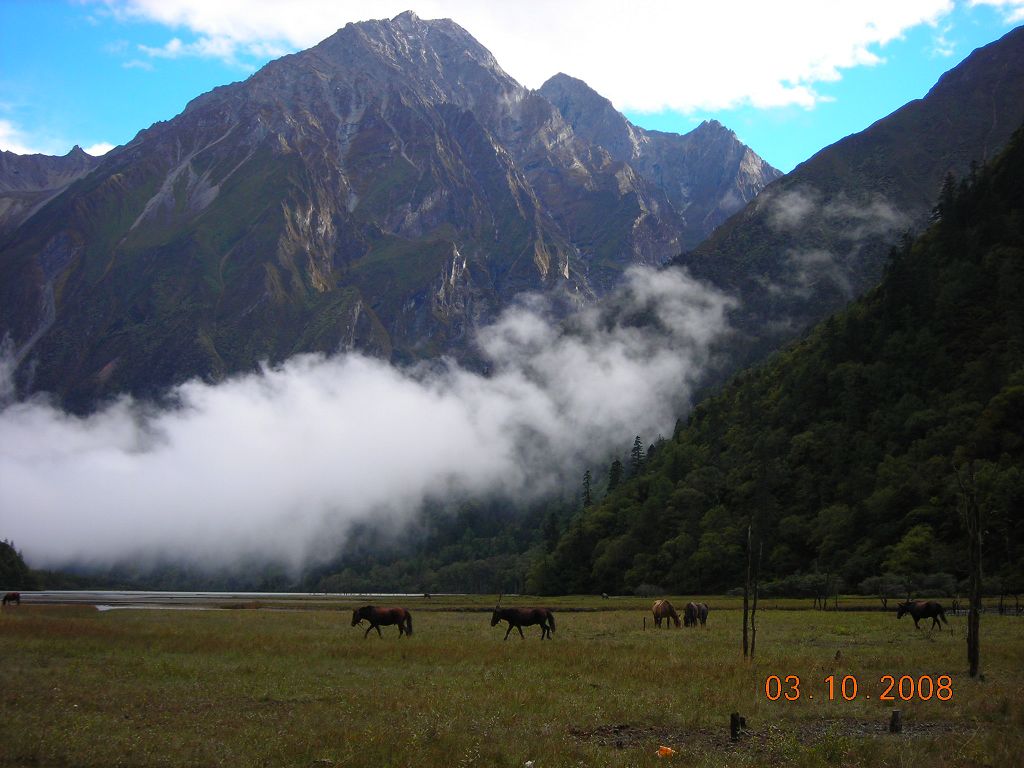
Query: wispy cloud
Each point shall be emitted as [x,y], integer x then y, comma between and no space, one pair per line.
[14,139]
[1012,10]
[21,142]
[843,223]
[942,46]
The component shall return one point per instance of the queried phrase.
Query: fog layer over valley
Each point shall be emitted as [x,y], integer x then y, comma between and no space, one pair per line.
[276,464]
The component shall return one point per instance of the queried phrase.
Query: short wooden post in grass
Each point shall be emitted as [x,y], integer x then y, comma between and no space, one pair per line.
[736,723]
[896,722]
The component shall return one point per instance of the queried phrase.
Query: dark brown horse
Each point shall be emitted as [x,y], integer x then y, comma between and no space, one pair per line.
[525,617]
[12,597]
[378,616]
[663,609]
[702,613]
[922,609]
[691,613]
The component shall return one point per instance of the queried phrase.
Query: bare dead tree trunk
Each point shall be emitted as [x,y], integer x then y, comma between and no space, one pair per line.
[971,511]
[746,600]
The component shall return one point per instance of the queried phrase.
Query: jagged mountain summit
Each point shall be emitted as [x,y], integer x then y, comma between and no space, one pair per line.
[27,182]
[386,190]
[707,174]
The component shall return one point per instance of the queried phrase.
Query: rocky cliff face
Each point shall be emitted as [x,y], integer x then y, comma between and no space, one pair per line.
[386,190]
[707,174]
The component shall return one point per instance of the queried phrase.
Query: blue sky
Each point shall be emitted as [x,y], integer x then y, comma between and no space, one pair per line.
[789,77]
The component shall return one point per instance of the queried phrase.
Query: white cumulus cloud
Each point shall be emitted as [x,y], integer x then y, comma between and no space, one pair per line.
[276,464]
[100,148]
[657,55]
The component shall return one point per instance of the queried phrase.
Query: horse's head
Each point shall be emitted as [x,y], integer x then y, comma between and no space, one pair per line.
[357,617]
[901,609]
[495,618]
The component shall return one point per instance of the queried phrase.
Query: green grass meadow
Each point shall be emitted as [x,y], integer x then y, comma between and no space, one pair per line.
[291,683]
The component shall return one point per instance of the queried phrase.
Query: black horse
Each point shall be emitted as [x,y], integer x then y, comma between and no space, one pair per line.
[922,609]
[12,597]
[691,614]
[525,617]
[702,613]
[383,616]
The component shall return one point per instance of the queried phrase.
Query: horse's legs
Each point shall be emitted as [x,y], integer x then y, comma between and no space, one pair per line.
[379,633]
[520,631]
[367,630]
[509,630]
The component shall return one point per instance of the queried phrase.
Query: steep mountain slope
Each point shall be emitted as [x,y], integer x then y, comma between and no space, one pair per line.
[28,181]
[707,174]
[818,237]
[842,451]
[385,190]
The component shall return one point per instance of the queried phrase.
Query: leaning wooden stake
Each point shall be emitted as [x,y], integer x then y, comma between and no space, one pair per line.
[736,724]
[970,508]
[746,601]
[753,608]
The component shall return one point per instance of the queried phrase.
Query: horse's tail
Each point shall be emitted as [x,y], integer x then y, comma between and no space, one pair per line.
[551,619]
[408,623]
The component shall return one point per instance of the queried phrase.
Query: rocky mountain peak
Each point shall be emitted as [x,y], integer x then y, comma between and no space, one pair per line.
[712,127]
[405,18]
[387,190]
[706,174]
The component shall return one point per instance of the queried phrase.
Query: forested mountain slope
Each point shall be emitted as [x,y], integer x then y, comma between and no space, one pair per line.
[840,450]
[818,237]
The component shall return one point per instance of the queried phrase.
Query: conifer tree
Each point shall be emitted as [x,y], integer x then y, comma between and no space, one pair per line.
[614,475]
[636,456]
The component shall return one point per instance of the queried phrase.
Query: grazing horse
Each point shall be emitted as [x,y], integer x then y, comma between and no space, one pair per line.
[525,617]
[922,609]
[383,616]
[691,614]
[663,609]
[12,597]
[702,613]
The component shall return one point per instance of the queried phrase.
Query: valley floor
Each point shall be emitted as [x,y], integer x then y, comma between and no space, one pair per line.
[261,687]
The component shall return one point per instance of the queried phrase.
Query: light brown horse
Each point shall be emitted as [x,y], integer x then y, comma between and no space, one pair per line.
[663,609]
[383,616]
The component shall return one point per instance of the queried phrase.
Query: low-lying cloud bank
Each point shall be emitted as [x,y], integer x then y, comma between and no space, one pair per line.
[276,464]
